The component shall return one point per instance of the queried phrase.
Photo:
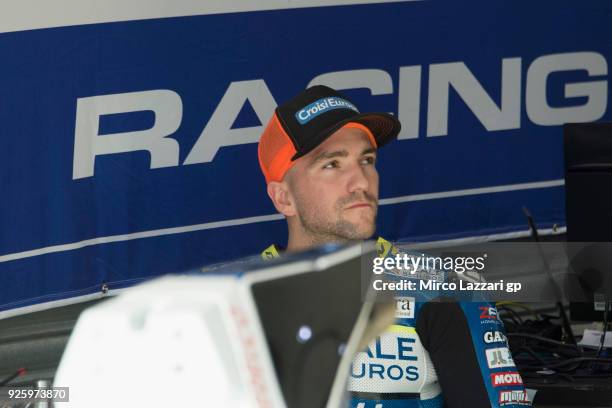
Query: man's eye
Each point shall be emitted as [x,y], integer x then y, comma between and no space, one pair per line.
[369,160]
[331,165]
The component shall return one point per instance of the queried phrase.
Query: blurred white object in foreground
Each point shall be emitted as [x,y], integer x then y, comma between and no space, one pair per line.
[198,340]
[176,341]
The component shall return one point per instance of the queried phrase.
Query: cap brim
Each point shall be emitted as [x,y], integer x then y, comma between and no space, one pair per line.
[384,127]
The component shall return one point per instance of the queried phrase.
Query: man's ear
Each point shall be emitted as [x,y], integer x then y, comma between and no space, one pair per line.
[279,193]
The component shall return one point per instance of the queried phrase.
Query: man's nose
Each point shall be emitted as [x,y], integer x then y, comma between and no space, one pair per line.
[358,179]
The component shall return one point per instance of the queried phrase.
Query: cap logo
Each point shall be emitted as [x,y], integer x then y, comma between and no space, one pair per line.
[309,112]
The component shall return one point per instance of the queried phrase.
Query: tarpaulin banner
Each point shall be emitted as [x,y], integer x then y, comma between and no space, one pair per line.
[128,135]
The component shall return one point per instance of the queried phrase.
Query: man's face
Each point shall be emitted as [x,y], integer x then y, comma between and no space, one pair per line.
[335,187]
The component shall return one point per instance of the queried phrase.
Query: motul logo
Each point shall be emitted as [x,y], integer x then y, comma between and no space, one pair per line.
[506,378]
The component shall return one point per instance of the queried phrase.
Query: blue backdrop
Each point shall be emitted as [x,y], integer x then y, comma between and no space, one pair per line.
[66,232]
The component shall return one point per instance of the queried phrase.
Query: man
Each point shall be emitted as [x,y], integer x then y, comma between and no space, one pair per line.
[318,156]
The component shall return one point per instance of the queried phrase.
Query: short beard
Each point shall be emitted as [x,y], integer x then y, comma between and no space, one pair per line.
[321,230]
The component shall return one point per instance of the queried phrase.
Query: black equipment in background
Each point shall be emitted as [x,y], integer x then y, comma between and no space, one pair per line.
[564,320]
[588,204]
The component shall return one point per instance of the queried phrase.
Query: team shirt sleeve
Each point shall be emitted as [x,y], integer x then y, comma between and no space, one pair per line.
[467,345]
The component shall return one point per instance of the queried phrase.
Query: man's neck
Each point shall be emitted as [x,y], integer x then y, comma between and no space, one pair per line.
[304,241]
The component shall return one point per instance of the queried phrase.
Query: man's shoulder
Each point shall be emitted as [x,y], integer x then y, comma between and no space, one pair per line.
[271,252]
[383,247]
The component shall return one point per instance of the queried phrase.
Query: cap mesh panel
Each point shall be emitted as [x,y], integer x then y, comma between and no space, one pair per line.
[275,151]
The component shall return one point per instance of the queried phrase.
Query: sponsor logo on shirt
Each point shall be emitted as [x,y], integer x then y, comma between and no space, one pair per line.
[513,397]
[390,357]
[404,307]
[489,315]
[506,378]
[494,337]
[487,312]
[499,357]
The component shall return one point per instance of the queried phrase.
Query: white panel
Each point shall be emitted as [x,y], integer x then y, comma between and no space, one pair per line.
[19,15]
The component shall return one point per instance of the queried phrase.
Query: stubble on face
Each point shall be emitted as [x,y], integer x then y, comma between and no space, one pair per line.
[323,225]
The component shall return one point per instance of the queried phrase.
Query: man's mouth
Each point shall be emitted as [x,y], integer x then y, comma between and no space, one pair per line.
[359,205]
